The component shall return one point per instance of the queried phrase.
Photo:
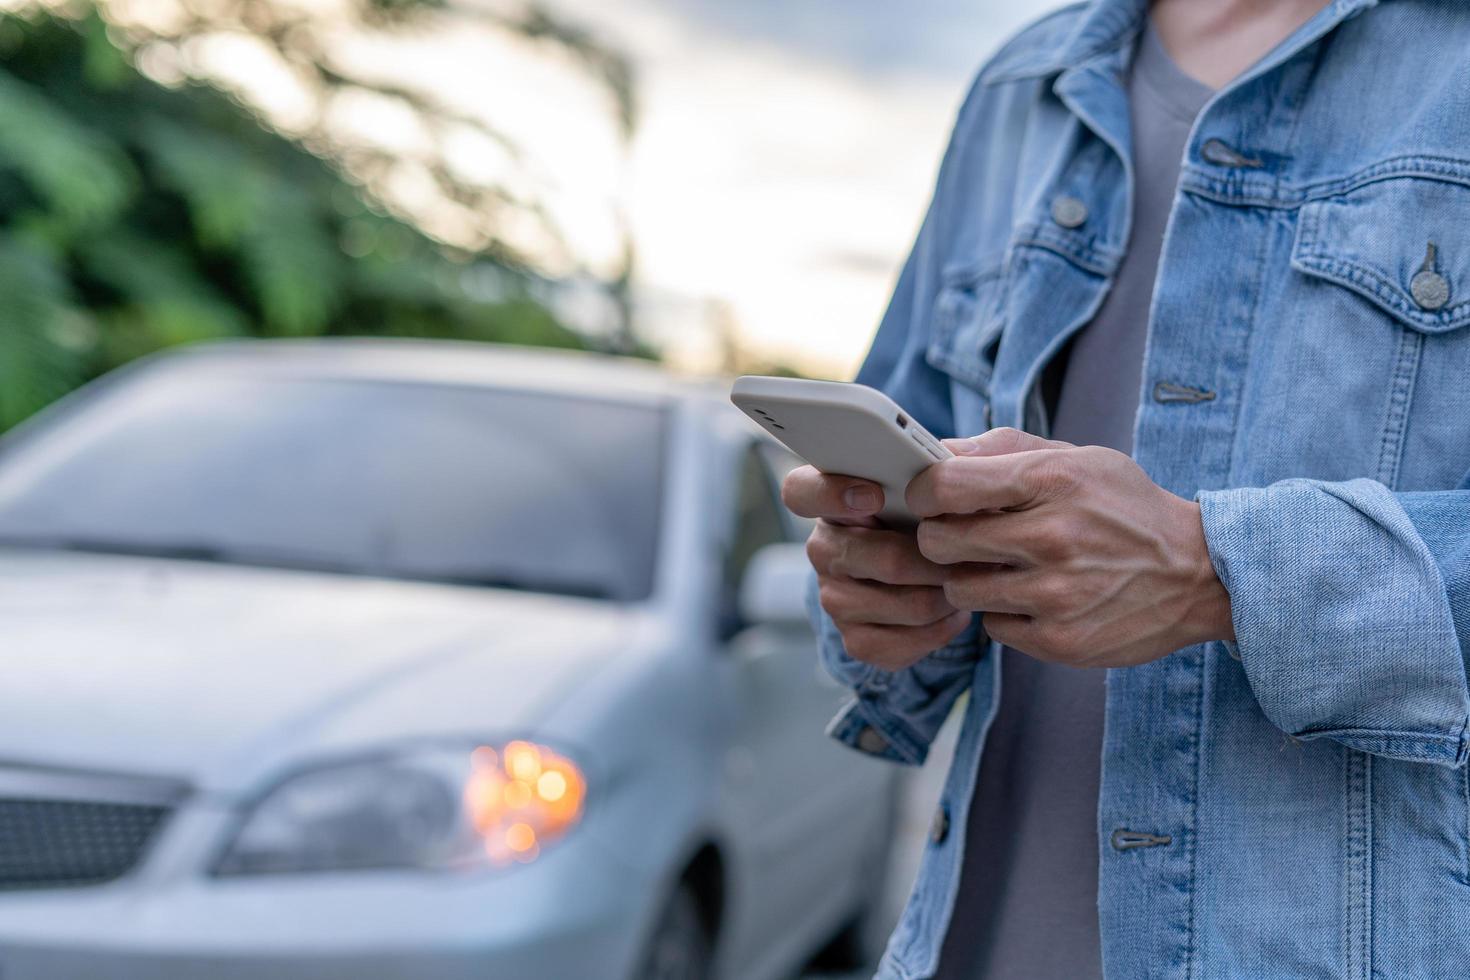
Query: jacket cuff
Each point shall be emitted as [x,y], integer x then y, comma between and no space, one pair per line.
[896,713]
[1341,616]
[863,725]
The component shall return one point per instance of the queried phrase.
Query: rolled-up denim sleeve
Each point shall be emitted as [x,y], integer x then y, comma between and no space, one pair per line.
[895,714]
[1351,604]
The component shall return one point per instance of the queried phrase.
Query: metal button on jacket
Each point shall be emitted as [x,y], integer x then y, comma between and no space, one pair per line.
[870,740]
[1068,212]
[939,829]
[1430,290]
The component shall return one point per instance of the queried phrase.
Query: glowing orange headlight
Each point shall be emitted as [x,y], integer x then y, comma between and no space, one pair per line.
[521,798]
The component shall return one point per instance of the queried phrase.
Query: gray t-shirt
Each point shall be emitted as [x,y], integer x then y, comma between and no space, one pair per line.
[1027,902]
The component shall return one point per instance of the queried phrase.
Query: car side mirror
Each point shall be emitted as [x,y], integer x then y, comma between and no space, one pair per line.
[773,591]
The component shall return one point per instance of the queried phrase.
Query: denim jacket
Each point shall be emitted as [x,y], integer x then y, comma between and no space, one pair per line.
[1295,804]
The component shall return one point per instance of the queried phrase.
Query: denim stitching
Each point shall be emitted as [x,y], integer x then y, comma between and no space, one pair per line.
[1424,747]
[1381,290]
[1357,935]
[1309,257]
[1464,800]
[1308,219]
[1245,189]
[1087,257]
[1349,959]
[1196,738]
[1365,880]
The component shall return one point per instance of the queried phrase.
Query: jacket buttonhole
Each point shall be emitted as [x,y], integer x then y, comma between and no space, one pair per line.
[1128,840]
[1166,392]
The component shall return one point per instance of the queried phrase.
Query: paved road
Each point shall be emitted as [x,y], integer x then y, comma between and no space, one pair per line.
[921,790]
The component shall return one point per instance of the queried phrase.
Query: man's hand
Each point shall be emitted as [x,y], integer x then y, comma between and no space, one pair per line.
[1074,554]
[883,595]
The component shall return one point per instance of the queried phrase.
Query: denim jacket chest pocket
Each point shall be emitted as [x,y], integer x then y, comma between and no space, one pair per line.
[964,338]
[967,323]
[1401,243]
[1388,336]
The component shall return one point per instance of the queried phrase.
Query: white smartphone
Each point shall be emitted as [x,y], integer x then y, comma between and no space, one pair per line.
[847,429]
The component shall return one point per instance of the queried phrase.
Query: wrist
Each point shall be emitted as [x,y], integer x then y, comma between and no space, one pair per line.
[1209,618]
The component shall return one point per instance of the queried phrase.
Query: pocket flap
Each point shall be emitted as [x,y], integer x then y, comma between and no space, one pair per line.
[1403,244]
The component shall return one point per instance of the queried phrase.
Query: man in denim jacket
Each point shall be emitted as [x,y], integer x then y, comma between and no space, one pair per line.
[1277,579]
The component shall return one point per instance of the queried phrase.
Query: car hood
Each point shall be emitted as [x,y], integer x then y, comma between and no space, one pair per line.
[218,674]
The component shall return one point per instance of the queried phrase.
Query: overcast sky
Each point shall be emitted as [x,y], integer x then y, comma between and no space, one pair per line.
[936,38]
[786,154]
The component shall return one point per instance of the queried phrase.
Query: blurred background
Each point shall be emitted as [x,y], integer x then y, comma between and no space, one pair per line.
[710,188]
[723,185]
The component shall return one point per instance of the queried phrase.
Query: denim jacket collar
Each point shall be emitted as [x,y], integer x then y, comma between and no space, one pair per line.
[1111,24]
[1106,26]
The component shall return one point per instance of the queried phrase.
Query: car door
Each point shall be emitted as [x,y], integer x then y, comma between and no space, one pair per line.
[808,806]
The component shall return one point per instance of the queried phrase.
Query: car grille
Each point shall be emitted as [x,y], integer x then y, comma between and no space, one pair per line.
[48,843]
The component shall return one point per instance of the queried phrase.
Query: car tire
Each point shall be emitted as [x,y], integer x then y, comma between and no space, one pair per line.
[680,947]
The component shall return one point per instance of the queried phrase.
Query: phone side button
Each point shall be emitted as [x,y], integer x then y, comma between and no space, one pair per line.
[928,444]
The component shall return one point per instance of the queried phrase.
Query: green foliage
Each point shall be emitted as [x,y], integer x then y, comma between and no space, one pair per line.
[82,177]
[39,361]
[134,217]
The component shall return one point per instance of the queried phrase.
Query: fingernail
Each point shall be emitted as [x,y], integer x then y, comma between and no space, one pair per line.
[860,498]
[963,447]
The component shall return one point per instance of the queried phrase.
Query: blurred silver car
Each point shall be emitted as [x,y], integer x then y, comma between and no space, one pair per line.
[375,659]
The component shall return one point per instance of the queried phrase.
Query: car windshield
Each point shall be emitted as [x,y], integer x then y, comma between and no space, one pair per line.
[472,485]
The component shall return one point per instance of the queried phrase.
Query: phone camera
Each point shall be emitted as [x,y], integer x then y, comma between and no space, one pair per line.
[766,418]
